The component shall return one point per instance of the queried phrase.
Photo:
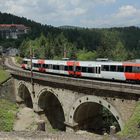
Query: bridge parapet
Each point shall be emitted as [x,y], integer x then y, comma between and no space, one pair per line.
[87,83]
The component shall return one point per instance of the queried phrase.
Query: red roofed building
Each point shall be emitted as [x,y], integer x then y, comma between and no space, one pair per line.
[12,30]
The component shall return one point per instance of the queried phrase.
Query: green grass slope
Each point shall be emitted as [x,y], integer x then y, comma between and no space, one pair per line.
[3,75]
[7,115]
[132,128]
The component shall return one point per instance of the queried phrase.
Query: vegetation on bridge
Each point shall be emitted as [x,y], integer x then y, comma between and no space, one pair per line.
[3,74]
[7,115]
[132,128]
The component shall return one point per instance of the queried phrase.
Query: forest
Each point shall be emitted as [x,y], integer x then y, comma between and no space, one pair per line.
[117,43]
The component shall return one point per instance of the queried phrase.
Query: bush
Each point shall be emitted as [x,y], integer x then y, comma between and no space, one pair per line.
[19,60]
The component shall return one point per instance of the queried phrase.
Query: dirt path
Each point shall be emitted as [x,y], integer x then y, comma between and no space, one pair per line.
[26,125]
[25,128]
[26,120]
[44,136]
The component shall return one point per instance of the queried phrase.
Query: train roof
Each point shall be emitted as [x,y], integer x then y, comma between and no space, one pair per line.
[133,63]
[26,59]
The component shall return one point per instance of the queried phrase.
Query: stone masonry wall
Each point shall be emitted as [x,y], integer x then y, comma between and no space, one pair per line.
[7,90]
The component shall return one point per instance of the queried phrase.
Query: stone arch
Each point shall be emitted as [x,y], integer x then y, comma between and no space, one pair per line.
[96,100]
[52,107]
[25,95]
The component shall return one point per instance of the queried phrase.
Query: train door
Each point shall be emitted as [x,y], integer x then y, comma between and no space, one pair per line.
[40,65]
[98,71]
[70,67]
[28,64]
[77,69]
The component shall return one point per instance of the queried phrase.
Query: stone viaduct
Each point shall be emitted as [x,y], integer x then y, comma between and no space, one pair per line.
[72,103]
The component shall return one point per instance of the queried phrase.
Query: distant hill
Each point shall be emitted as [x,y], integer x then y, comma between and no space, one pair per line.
[70,27]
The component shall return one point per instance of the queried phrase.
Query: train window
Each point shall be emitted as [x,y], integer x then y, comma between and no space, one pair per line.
[136,69]
[39,65]
[61,67]
[112,68]
[120,69]
[128,69]
[45,65]
[66,68]
[78,68]
[24,62]
[90,70]
[84,69]
[105,68]
[56,67]
[36,65]
[50,66]
[70,68]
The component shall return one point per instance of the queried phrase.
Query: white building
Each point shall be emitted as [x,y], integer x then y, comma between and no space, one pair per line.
[12,30]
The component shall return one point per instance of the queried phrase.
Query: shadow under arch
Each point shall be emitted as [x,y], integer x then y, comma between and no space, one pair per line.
[25,95]
[86,114]
[53,110]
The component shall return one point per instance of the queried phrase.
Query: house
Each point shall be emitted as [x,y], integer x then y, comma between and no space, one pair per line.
[12,30]
[12,51]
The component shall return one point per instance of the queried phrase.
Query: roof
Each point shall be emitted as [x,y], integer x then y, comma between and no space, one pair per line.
[18,26]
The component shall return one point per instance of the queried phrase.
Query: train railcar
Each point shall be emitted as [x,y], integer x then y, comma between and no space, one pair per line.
[26,64]
[111,70]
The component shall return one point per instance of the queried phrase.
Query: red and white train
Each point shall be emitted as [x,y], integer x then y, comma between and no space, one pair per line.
[125,71]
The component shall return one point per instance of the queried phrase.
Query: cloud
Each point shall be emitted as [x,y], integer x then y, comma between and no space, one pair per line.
[127,11]
[109,1]
[88,13]
[18,7]
[126,15]
[101,1]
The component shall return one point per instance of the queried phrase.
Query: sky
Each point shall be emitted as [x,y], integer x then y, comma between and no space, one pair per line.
[83,13]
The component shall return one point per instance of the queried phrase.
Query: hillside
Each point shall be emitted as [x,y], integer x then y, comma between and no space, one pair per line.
[36,29]
[114,43]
